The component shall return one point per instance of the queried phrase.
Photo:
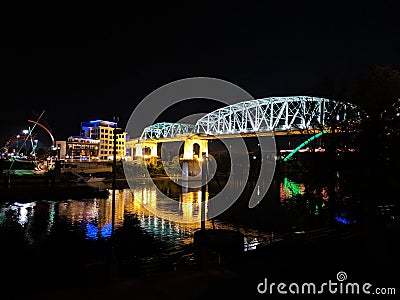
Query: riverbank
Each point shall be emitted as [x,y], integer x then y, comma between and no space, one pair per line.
[30,191]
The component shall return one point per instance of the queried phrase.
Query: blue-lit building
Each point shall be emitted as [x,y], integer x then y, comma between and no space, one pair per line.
[103,131]
[96,142]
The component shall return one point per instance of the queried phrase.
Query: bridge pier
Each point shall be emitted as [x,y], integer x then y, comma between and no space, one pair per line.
[191,170]
[191,160]
[146,152]
[193,148]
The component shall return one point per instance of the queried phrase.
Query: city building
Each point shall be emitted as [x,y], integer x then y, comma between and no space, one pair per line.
[82,148]
[103,131]
[61,147]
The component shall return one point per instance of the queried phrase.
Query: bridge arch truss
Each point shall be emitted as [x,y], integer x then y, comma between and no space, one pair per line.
[166,130]
[277,114]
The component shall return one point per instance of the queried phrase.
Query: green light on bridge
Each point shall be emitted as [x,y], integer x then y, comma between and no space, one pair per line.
[292,188]
[304,144]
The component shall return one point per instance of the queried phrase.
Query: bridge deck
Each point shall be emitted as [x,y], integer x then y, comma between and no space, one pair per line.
[232,135]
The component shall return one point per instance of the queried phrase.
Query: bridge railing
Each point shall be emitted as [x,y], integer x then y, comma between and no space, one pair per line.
[262,115]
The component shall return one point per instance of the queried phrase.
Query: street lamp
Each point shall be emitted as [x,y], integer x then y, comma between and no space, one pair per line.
[114,170]
[58,153]
[18,136]
[25,131]
[34,146]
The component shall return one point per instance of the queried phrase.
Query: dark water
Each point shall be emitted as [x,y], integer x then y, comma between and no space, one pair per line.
[71,239]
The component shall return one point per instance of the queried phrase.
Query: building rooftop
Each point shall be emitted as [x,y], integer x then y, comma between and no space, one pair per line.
[95,123]
[86,138]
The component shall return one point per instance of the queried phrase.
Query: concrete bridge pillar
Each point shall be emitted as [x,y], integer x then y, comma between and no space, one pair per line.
[153,149]
[142,152]
[191,161]
[138,150]
[194,148]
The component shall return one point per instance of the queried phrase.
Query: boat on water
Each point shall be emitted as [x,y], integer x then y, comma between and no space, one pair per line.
[20,158]
[30,180]
[26,170]
[93,179]
[82,178]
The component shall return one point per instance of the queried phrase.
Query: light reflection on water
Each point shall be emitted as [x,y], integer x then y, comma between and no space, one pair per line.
[23,211]
[289,188]
[92,218]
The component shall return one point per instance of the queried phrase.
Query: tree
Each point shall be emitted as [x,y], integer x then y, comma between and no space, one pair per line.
[376,92]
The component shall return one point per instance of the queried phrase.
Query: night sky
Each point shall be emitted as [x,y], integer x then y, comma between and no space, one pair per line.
[82,64]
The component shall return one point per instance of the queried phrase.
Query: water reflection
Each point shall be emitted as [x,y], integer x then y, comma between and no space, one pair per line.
[289,188]
[22,211]
[91,218]
[159,200]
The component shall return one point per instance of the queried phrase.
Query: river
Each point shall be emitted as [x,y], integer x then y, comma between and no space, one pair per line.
[65,237]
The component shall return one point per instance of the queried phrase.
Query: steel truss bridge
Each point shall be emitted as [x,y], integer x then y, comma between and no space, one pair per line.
[268,116]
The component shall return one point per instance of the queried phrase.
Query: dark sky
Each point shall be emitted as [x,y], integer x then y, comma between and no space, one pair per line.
[79,63]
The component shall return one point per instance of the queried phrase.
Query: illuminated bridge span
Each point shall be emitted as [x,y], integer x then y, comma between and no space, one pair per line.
[166,130]
[274,114]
